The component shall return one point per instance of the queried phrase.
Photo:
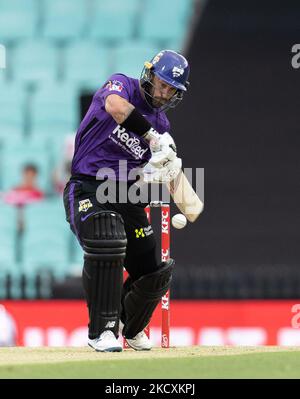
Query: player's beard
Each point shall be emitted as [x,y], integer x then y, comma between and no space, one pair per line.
[158,102]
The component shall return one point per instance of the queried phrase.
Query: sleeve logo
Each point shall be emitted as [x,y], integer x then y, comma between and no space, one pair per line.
[114,85]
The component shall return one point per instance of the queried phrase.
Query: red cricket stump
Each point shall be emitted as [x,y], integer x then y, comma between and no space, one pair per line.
[148,213]
[125,275]
[165,255]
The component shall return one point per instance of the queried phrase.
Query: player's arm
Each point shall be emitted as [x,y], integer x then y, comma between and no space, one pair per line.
[127,116]
[118,108]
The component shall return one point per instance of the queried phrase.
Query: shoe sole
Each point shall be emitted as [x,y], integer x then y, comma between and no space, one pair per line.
[138,349]
[113,349]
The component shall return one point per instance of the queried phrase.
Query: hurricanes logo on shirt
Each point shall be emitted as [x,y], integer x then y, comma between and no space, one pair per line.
[129,143]
[84,205]
[114,85]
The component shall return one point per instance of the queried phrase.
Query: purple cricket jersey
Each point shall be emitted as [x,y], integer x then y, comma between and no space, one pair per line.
[101,143]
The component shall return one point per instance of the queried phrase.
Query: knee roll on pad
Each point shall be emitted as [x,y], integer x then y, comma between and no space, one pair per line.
[104,236]
[104,243]
[144,295]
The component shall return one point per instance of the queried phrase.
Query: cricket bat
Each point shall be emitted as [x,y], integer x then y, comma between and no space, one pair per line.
[185,197]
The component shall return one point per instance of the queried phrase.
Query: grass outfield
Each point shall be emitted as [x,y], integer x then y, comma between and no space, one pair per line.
[184,362]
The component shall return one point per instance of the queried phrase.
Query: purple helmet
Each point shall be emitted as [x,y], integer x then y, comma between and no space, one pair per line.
[172,68]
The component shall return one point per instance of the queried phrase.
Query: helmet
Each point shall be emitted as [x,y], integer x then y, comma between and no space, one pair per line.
[172,68]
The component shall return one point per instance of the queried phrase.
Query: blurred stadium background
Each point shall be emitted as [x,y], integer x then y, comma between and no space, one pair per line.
[237,274]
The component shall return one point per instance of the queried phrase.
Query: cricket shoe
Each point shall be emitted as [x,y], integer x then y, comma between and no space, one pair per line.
[140,342]
[107,342]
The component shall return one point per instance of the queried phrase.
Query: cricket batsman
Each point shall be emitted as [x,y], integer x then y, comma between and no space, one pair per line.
[126,121]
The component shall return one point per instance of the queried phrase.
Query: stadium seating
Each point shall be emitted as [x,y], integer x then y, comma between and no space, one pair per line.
[8,232]
[87,64]
[7,221]
[8,252]
[8,249]
[11,278]
[12,110]
[46,241]
[129,57]
[16,155]
[18,19]
[153,21]
[48,250]
[64,19]
[60,149]
[54,108]
[3,284]
[2,77]
[15,281]
[50,211]
[35,61]
[175,45]
[2,62]
[114,19]
[77,252]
